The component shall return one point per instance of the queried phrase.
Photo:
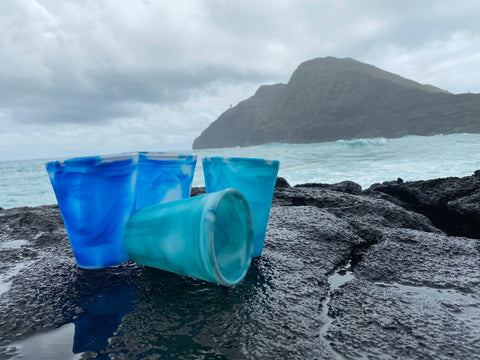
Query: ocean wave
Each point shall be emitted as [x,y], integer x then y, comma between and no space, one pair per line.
[365,161]
[363,142]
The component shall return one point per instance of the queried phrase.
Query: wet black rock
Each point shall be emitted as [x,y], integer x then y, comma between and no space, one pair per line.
[281,183]
[197,191]
[452,204]
[409,289]
[415,296]
[344,186]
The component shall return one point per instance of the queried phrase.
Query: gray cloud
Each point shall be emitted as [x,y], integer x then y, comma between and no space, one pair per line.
[105,95]
[175,67]
[61,69]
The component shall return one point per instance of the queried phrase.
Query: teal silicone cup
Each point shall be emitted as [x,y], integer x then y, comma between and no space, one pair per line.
[209,237]
[96,196]
[254,178]
[163,177]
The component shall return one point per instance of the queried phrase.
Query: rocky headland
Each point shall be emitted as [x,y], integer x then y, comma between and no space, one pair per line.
[390,272]
[328,99]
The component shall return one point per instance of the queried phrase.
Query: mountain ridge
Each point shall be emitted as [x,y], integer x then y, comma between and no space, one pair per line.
[328,99]
[331,66]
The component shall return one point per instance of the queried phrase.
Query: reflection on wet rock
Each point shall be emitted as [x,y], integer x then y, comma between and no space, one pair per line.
[101,316]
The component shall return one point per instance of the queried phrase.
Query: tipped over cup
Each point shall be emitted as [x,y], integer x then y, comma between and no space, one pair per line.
[209,237]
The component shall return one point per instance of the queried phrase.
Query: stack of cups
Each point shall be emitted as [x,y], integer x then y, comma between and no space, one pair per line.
[138,206]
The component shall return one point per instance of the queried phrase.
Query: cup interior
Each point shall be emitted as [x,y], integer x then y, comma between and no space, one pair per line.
[232,239]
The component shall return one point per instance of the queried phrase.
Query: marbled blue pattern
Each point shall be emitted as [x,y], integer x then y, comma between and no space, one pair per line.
[96,197]
[163,177]
[208,237]
[254,178]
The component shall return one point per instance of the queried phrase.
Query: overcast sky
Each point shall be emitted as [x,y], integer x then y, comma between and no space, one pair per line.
[105,76]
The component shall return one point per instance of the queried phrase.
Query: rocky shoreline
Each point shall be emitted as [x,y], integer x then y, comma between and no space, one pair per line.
[390,272]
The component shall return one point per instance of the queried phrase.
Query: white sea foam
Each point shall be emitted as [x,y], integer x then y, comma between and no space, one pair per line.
[365,161]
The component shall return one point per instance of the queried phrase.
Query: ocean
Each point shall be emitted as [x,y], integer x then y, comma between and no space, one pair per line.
[364,161]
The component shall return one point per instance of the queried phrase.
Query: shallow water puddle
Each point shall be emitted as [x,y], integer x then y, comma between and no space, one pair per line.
[461,305]
[7,276]
[340,277]
[51,345]
[13,244]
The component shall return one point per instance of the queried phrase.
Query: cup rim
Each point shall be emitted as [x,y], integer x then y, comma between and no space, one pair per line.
[86,159]
[211,241]
[241,159]
[167,155]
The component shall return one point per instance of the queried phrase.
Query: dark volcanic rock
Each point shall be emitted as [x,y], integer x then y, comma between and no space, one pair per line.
[281,183]
[343,275]
[414,296]
[344,186]
[329,99]
[452,204]
[197,191]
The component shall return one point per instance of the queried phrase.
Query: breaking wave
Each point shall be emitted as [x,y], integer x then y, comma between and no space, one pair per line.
[365,161]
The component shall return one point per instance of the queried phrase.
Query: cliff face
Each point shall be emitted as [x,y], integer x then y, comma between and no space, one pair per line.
[329,99]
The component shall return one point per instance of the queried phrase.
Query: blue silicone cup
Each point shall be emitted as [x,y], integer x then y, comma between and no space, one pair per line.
[254,178]
[163,177]
[96,196]
[209,237]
